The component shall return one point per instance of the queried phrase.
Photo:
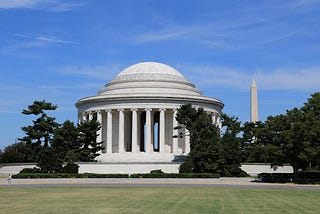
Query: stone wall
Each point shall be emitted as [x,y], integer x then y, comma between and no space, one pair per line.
[129,168]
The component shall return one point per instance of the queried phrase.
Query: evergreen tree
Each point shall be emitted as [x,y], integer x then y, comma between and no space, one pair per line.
[230,146]
[39,134]
[209,150]
[87,140]
[65,142]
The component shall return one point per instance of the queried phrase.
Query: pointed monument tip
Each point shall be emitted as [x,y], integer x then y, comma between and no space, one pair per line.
[253,83]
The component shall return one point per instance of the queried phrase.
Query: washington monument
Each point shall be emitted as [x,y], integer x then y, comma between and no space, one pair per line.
[253,102]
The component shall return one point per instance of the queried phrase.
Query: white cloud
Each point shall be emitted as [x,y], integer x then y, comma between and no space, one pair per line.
[279,79]
[48,39]
[284,79]
[10,4]
[51,5]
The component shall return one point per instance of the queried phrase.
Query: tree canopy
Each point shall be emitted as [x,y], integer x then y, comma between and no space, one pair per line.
[51,144]
[211,150]
[292,138]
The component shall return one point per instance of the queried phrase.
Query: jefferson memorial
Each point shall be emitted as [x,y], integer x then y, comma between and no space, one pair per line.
[137,110]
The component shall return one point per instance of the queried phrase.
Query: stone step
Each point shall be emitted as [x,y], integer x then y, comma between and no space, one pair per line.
[139,158]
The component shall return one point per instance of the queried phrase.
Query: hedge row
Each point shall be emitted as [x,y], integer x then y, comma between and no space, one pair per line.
[68,175]
[309,177]
[306,177]
[275,177]
[91,175]
[175,175]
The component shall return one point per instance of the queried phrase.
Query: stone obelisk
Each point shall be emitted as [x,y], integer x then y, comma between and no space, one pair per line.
[253,102]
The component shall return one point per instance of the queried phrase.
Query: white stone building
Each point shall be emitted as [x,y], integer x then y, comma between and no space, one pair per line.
[137,111]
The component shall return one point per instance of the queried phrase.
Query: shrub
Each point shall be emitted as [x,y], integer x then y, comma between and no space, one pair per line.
[174,175]
[31,170]
[156,171]
[70,168]
[68,175]
[308,177]
[275,177]
[186,167]
[92,175]
[304,177]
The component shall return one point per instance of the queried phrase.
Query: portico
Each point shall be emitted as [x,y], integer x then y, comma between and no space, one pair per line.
[138,130]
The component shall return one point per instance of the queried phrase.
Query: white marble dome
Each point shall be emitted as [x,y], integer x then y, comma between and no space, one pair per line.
[149,78]
[149,71]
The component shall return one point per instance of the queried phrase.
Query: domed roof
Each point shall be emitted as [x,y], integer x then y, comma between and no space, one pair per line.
[148,83]
[149,79]
[149,71]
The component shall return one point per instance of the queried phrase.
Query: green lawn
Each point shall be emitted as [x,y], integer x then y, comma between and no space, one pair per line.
[157,200]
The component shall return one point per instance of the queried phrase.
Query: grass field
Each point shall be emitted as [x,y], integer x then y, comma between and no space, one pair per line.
[157,200]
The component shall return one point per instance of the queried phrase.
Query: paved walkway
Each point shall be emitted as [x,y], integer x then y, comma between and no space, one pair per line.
[150,182]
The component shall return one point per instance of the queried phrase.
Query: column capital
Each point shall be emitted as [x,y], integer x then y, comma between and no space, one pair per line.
[162,109]
[108,110]
[134,109]
[148,109]
[120,109]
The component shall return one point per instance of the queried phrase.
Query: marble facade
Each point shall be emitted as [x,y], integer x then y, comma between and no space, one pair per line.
[137,111]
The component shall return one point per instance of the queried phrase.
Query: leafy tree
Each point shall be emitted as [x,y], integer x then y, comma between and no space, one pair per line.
[211,149]
[293,137]
[311,111]
[14,153]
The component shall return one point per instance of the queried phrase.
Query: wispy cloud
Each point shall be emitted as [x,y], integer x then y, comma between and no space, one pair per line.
[172,33]
[44,38]
[25,43]
[102,72]
[50,5]
[10,4]
[279,79]
[246,27]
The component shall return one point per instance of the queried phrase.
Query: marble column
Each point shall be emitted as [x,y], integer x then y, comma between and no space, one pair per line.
[175,133]
[162,130]
[152,132]
[109,131]
[99,132]
[121,130]
[90,115]
[186,141]
[214,118]
[148,130]
[219,124]
[79,118]
[84,116]
[134,138]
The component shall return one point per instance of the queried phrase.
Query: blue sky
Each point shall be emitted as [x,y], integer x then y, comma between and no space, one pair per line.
[63,50]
